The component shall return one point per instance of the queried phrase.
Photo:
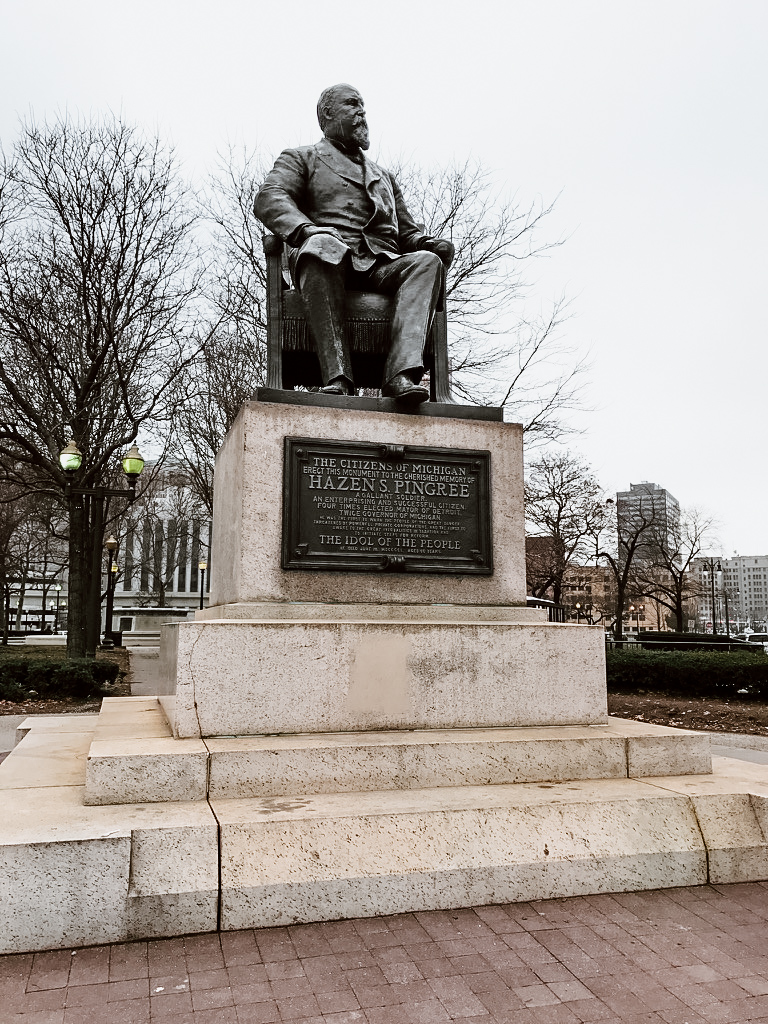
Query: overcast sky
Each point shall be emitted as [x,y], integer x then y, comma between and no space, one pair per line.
[650,118]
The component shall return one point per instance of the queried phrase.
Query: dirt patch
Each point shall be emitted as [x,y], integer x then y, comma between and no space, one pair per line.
[699,713]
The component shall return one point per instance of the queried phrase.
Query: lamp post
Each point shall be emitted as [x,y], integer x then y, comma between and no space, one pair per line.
[57,588]
[202,566]
[635,610]
[578,613]
[710,567]
[88,515]
[111,545]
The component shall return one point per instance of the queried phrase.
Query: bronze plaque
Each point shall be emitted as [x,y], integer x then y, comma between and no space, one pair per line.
[349,506]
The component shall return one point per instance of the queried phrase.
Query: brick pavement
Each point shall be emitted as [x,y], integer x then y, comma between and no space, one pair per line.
[679,956]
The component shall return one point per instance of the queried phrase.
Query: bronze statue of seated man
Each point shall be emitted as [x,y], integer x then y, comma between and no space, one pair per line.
[346,225]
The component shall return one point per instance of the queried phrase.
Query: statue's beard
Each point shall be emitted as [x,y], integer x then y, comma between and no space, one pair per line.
[360,135]
[356,137]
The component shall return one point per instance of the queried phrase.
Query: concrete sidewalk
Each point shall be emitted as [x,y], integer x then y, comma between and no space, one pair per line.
[679,956]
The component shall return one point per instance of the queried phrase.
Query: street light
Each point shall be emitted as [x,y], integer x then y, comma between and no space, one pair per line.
[636,611]
[89,515]
[202,566]
[710,567]
[57,588]
[578,613]
[111,545]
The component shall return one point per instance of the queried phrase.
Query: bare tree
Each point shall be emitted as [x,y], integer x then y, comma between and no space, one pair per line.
[563,503]
[500,355]
[667,577]
[232,363]
[620,539]
[98,273]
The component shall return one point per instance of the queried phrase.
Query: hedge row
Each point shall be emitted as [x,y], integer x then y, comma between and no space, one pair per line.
[688,673]
[75,678]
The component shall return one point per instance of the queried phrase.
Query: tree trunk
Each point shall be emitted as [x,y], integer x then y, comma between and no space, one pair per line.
[618,629]
[79,576]
[682,624]
[3,609]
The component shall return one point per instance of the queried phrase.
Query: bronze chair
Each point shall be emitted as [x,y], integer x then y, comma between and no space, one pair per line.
[291,358]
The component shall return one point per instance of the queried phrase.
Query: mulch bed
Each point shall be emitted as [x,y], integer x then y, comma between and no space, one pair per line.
[698,713]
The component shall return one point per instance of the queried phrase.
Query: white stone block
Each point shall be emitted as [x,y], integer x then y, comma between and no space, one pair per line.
[311,611]
[665,751]
[145,770]
[736,845]
[74,875]
[174,886]
[46,758]
[250,678]
[55,723]
[331,857]
[133,757]
[247,767]
[62,892]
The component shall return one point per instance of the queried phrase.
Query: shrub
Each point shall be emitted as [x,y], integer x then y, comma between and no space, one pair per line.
[74,678]
[104,672]
[13,677]
[40,675]
[52,678]
[718,674]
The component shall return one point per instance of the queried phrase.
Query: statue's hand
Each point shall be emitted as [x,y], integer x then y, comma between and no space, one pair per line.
[441,247]
[318,229]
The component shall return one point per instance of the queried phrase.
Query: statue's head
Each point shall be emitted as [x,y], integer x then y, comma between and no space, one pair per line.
[341,113]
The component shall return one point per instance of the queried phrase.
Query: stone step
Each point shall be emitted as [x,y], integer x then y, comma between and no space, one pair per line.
[74,875]
[134,758]
[334,856]
[82,875]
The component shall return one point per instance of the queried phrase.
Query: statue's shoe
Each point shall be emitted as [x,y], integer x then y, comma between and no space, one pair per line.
[337,387]
[404,390]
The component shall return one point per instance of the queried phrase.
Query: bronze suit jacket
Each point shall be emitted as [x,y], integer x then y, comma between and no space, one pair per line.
[321,185]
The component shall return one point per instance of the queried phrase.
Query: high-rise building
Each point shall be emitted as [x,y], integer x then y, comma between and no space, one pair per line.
[743,581]
[649,503]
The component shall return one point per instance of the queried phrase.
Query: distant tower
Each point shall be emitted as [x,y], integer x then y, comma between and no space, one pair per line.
[644,502]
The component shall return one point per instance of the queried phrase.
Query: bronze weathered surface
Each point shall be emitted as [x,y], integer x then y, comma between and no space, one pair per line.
[357,507]
[347,227]
[454,411]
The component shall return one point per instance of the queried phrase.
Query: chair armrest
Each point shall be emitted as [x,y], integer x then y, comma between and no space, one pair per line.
[273,246]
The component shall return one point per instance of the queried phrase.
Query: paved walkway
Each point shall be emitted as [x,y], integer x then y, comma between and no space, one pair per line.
[679,956]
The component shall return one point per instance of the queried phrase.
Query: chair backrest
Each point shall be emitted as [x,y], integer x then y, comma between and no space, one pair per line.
[291,357]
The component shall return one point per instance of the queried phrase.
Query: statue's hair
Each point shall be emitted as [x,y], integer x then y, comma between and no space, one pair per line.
[326,102]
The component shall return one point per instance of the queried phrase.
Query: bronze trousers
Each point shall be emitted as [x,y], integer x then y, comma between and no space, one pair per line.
[413,280]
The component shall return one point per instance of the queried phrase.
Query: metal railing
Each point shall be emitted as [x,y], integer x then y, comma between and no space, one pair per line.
[555,612]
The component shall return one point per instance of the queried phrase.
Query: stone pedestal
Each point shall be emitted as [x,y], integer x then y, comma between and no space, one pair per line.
[295,651]
[334,745]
